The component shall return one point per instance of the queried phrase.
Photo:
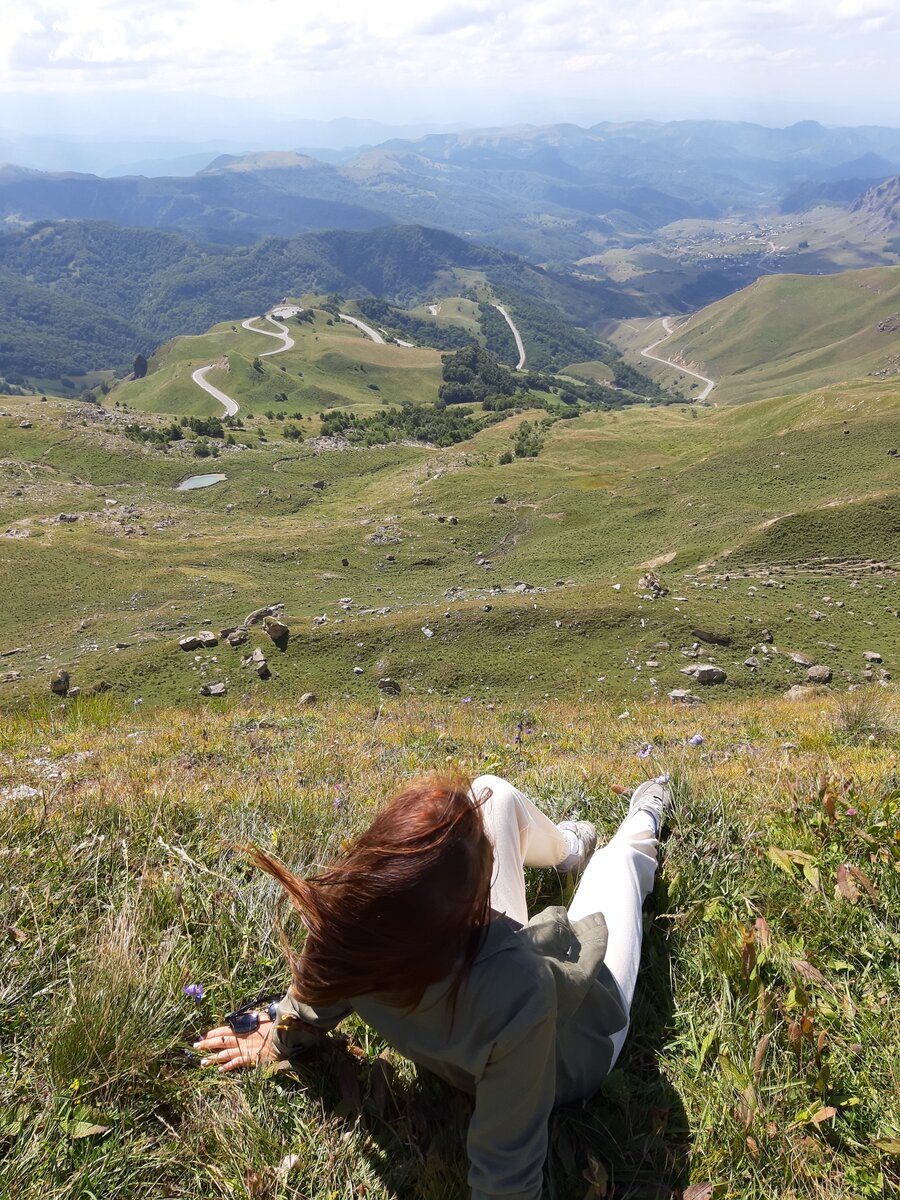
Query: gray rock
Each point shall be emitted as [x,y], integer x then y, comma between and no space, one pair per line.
[453,520]
[801,660]
[357,670]
[259,614]
[872,656]
[388,686]
[751,662]
[191,642]
[213,689]
[237,637]
[766,636]
[10,676]
[255,659]
[682,696]
[207,639]
[345,562]
[318,485]
[67,518]
[651,582]
[308,698]
[819,674]
[277,630]
[59,684]
[487,607]
[263,671]
[73,693]
[500,500]
[714,639]
[705,673]
[24,424]
[804,691]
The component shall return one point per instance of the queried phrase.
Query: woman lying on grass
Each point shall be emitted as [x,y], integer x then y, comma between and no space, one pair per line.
[421,928]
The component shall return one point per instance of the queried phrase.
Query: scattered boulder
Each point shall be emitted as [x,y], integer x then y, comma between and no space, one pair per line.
[263,670]
[652,584]
[237,637]
[260,614]
[388,686]
[59,684]
[804,691]
[73,693]
[277,631]
[751,662]
[872,656]
[213,689]
[766,636]
[24,424]
[357,670]
[453,520]
[67,518]
[10,676]
[819,674]
[191,642]
[500,500]
[713,639]
[682,696]
[255,659]
[318,485]
[487,607]
[345,562]
[207,639]
[801,660]
[308,698]
[705,673]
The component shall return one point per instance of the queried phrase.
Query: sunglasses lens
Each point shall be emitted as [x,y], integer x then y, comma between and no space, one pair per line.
[244,1022]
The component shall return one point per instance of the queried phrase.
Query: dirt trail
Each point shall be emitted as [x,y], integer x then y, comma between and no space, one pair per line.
[710,383]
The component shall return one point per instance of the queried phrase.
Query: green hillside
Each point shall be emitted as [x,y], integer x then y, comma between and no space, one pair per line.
[793,333]
[772,515]
[164,285]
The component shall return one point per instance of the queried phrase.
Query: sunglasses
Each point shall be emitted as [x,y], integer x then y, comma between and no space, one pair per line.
[247,1018]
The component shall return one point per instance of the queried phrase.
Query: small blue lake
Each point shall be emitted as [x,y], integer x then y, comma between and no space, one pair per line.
[199,481]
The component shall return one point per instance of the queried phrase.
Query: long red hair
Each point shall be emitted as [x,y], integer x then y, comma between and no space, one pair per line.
[406,904]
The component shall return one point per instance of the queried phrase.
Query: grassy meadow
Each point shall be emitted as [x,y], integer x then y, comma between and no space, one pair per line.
[763,1060]
[785,334]
[504,599]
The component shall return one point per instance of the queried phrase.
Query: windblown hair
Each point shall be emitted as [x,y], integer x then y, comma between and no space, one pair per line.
[406,905]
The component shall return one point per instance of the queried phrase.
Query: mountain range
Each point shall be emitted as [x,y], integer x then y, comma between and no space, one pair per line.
[548,192]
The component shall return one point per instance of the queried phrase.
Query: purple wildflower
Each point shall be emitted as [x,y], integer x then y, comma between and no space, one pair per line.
[645,751]
[851,812]
[194,991]
[466,700]
[696,740]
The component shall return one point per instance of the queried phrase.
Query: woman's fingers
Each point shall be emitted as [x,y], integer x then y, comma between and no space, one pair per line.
[221,1031]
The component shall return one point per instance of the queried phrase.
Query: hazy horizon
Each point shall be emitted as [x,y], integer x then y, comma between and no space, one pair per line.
[203,71]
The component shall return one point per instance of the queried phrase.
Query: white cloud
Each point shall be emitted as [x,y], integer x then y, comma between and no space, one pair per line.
[452,53]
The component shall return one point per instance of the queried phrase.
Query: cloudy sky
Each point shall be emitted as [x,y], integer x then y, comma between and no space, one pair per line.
[118,68]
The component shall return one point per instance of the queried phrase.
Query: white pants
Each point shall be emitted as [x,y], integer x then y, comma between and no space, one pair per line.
[615,881]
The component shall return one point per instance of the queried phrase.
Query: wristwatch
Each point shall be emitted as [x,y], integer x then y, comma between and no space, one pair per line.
[246,1019]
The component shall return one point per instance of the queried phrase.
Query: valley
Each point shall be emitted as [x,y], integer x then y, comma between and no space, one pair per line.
[583,571]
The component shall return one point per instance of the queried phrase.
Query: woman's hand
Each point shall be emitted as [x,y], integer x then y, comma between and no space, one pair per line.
[229,1051]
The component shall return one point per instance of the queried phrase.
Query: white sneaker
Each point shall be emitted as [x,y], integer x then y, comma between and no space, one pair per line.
[582,838]
[653,797]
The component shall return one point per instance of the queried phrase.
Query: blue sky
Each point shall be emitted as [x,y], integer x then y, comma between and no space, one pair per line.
[149,68]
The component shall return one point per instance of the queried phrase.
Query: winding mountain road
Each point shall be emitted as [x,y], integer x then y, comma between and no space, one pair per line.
[367,329]
[520,345]
[710,383]
[231,407]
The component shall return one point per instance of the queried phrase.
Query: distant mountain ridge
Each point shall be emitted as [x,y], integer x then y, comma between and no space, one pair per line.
[547,192]
[879,207]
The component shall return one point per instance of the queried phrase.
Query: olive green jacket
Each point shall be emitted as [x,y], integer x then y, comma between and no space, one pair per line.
[531,1030]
